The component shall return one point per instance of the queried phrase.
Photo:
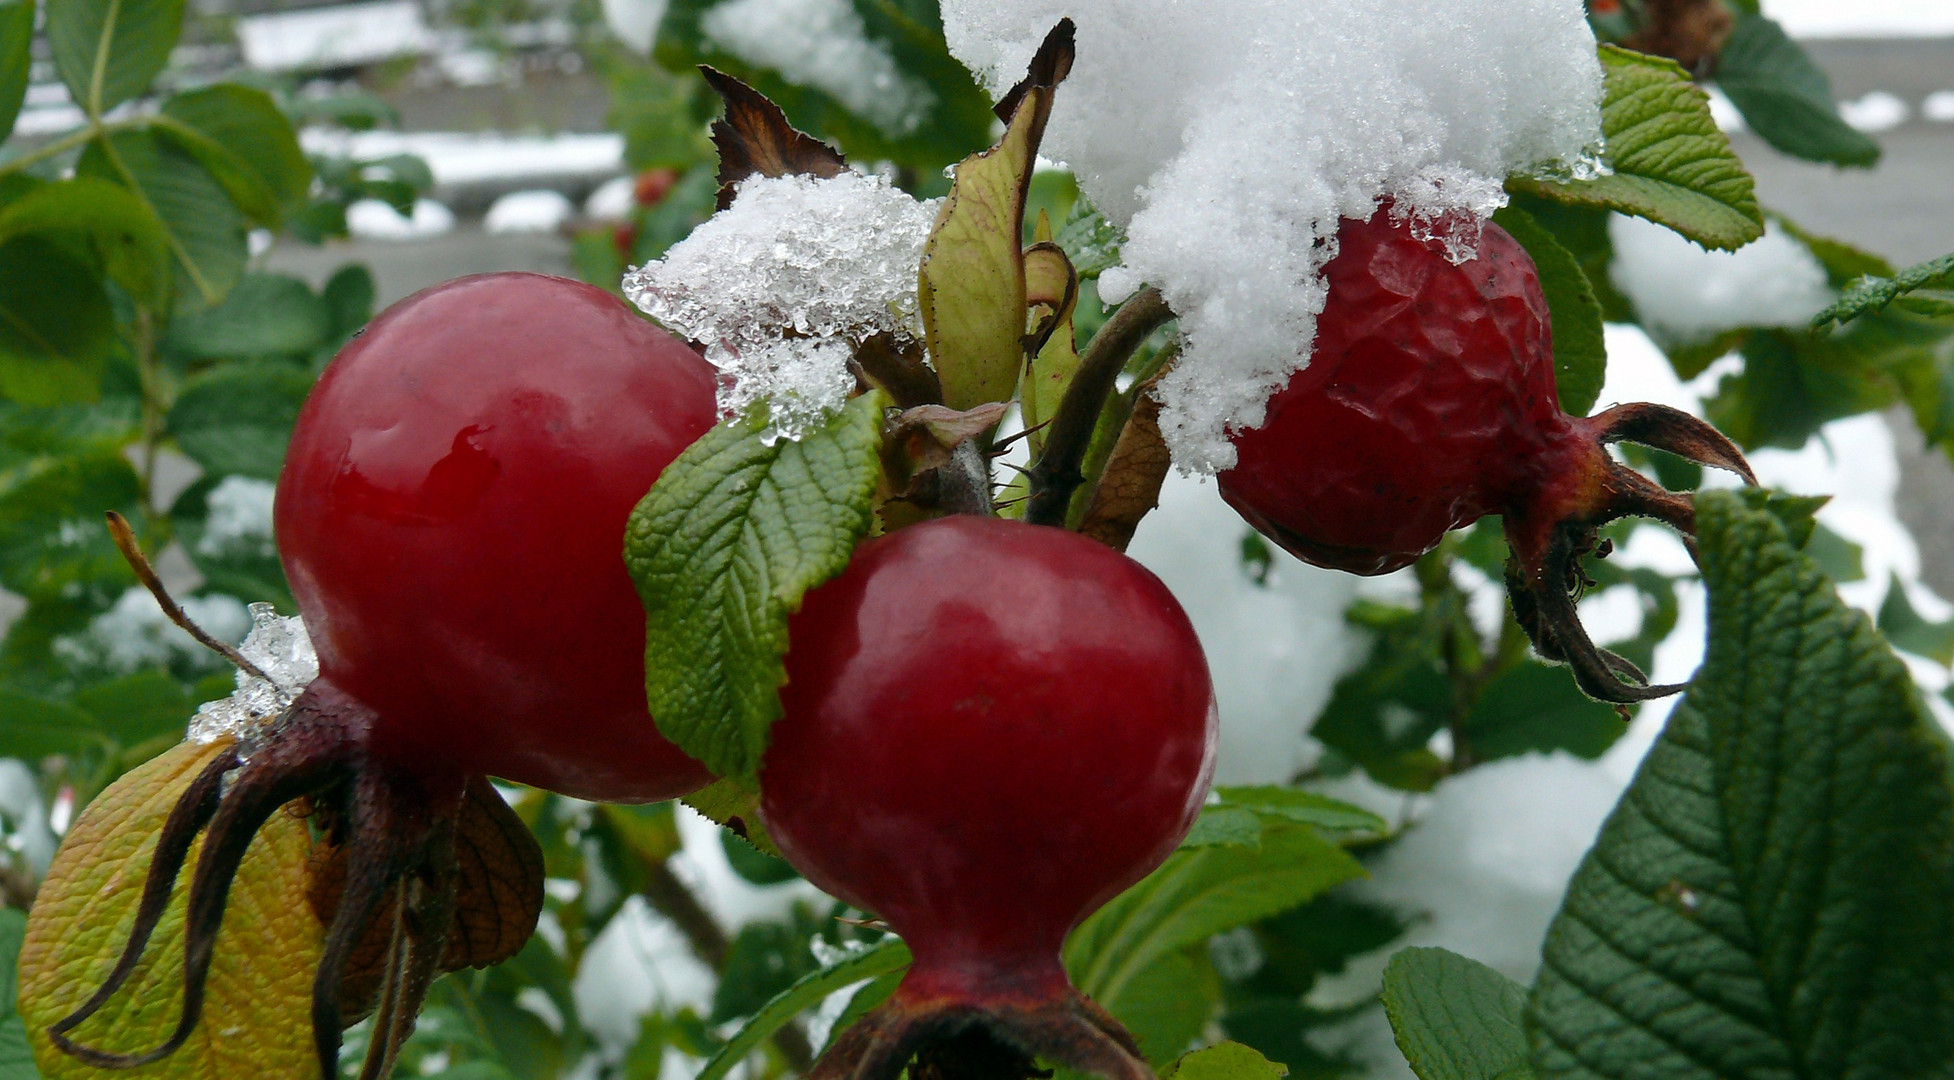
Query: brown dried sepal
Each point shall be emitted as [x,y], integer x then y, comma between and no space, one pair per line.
[1690,32]
[933,462]
[1049,66]
[498,898]
[1129,488]
[755,137]
[994,1040]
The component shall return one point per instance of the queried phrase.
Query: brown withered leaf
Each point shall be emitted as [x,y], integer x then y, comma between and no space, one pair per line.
[1048,68]
[1051,288]
[498,897]
[755,137]
[1690,32]
[1130,486]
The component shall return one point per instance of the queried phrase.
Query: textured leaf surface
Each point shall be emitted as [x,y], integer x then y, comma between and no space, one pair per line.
[111,219]
[239,134]
[107,51]
[1225,1061]
[1774,895]
[1785,97]
[888,955]
[1871,293]
[972,283]
[729,539]
[1580,354]
[16,55]
[257,1014]
[1454,1018]
[236,420]
[205,231]
[1671,163]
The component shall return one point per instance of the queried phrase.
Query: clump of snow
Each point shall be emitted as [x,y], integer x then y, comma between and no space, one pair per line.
[1863,18]
[635,22]
[1876,112]
[613,200]
[1724,111]
[373,219]
[1939,107]
[1686,293]
[784,283]
[823,44]
[238,518]
[136,634]
[1230,136]
[281,649]
[25,833]
[542,210]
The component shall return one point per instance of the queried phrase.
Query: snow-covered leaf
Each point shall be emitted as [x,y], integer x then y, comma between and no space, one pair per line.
[1580,354]
[107,51]
[1455,1018]
[1785,97]
[1774,895]
[729,539]
[261,976]
[1670,162]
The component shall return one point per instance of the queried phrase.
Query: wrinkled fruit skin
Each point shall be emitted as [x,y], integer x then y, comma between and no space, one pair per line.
[990,728]
[1428,402]
[451,515]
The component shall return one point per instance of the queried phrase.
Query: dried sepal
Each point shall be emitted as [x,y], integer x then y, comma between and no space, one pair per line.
[754,137]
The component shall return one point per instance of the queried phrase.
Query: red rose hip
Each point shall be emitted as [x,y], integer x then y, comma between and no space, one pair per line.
[989,729]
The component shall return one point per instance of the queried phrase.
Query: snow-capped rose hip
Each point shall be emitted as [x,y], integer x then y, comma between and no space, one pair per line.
[450,516]
[990,728]
[1429,402]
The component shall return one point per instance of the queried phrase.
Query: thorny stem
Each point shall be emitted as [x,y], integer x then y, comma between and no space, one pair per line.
[671,898]
[1056,475]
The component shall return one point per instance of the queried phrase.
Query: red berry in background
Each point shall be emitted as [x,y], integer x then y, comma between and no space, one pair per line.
[451,518]
[989,729]
[1429,402]
[653,185]
[624,237]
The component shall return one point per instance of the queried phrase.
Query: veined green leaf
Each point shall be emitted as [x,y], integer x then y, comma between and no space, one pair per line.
[52,539]
[1774,895]
[1580,353]
[1871,293]
[116,223]
[1454,1018]
[107,51]
[724,546]
[265,315]
[239,134]
[56,325]
[16,37]
[204,230]
[236,419]
[886,956]
[1785,97]
[1304,808]
[1225,1061]
[1670,163]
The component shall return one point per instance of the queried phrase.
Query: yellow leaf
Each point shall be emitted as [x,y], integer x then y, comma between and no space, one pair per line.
[257,1017]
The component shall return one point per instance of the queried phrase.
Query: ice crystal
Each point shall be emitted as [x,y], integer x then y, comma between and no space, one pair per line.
[282,650]
[782,285]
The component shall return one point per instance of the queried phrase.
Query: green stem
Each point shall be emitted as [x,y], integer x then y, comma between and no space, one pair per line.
[58,147]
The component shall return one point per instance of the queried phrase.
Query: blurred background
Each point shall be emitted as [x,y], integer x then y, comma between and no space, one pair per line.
[452,137]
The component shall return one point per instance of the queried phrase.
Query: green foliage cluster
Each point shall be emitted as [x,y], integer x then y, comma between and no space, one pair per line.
[1741,902]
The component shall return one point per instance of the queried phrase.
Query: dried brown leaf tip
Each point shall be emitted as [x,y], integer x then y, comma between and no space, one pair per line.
[755,137]
[1049,67]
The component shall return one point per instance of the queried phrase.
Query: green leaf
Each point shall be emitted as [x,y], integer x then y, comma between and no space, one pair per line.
[763,960]
[972,283]
[36,727]
[116,223]
[755,867]
[1785,97]
[52,538]
[1580,354]
[1224,1061]
[16,55]
[135,708]
[735,803]
[236,419]
[1225,826]
[886,956]
[56,325]
[16,1059]
[260,980]
[265,315]
[1194,895]
[1533,707]
[1456,1019]
[1305,808]
[1170,1003]
[204,230]
[349,296]
[724,546]
[239,134]
[1774,895]
[1870,293]
[1383,715]
[107,51]
[1670,163]
[1907,630]
[1090,241]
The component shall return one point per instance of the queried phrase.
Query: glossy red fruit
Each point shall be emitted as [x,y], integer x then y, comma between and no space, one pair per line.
[451,519]
[1429,402]
[990,728]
